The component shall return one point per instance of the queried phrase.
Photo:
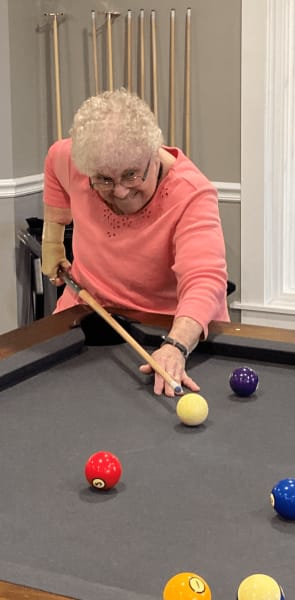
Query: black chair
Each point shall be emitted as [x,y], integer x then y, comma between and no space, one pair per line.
[231,287]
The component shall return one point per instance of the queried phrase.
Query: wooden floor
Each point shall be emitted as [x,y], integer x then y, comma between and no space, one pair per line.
[11,591]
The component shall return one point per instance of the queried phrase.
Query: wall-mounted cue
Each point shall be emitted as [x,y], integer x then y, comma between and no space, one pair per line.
[129,50]
[188,82]
[172,79]
[90,301]
[94,48]
[110,52]
[109,17]
[141,51]
[56,73]
[154,64]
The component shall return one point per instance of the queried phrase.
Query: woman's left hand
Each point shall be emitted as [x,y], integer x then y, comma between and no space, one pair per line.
[173,362]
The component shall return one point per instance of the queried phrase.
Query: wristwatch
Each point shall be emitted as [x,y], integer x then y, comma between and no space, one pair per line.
[178,345]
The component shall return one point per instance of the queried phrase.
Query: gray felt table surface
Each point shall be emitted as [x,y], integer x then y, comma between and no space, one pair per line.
[190,499]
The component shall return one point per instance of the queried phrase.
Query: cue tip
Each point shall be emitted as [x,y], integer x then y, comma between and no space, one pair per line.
[178,389]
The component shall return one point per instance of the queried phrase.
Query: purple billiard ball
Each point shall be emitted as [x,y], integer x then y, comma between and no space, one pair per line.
[282,498]
[243,381]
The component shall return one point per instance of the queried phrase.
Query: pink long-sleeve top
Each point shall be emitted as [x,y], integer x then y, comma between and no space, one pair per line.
[169,257]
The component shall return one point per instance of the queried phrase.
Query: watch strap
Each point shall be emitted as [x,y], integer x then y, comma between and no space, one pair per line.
[169,340]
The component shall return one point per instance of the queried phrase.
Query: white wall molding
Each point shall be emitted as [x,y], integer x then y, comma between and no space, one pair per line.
[268,161]
[228,192]
[22,186]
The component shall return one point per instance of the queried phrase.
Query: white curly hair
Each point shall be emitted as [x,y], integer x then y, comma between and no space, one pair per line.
[113,130]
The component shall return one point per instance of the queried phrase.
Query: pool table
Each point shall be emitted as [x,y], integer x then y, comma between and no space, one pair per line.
[189,499]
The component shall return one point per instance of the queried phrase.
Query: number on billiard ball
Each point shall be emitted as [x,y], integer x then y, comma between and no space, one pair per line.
[103,470]
[282,498]
[243,381]
[260,587]
[186,586]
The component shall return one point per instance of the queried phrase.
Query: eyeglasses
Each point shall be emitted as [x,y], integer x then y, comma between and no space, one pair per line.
[128,180]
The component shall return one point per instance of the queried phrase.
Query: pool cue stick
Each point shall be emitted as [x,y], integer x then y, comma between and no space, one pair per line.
[129,50]
[110,52]
[102,312]
[94,48]
[32,243]
[172,79]
[154,63]
[188,82]
[141,40]
[57,77]
[56,73]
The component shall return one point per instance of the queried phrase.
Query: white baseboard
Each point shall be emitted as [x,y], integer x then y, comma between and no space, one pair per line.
[282,316]
[282,309]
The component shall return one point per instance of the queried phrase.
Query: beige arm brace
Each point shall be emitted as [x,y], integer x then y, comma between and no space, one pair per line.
[53,249]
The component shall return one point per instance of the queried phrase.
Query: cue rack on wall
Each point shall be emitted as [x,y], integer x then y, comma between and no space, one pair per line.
[105,64]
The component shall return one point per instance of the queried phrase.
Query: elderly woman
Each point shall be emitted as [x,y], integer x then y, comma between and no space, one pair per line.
[147,233]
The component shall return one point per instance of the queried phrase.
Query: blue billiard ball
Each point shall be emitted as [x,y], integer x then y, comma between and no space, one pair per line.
[282,498]
[243,381]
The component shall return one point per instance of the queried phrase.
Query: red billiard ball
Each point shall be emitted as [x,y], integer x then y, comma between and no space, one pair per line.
[103,470]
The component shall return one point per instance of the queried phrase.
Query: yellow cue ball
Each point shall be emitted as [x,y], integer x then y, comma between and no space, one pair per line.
[258,587]
[192,409]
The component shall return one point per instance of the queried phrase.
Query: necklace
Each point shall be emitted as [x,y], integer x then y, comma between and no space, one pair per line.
[159,175]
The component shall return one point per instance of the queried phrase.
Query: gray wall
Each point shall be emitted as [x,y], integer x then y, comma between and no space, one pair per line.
[215,77]
[6,162]
[28,122]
